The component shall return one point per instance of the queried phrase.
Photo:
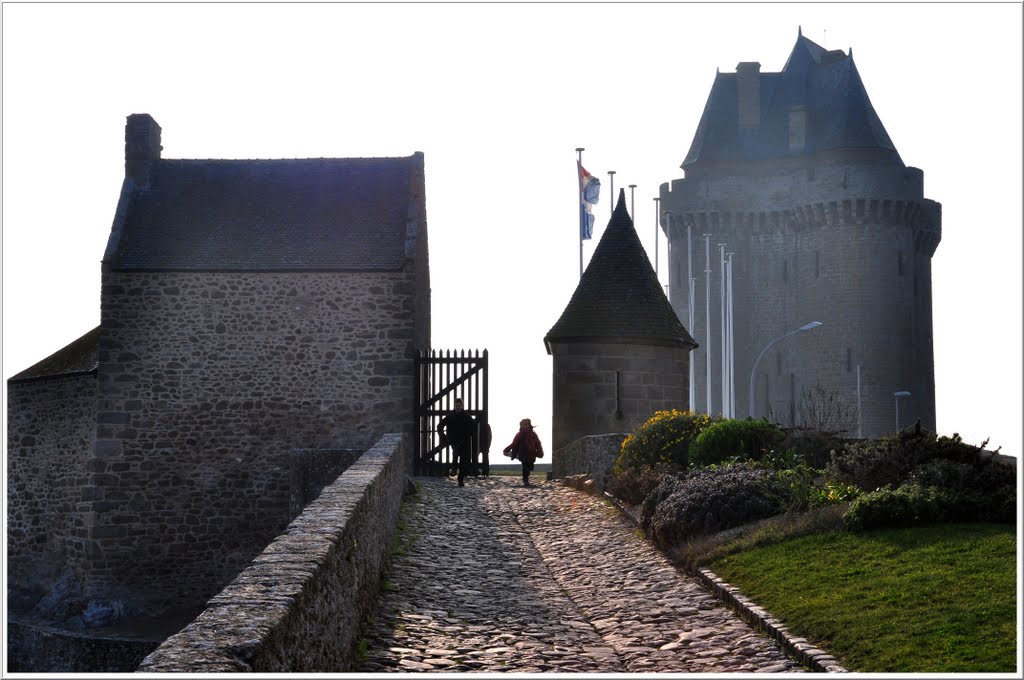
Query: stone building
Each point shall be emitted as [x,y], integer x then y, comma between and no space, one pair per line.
[619,352]
[259,320]
[796,175]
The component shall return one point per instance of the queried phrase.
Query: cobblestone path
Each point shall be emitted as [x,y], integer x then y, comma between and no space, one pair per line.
[497,577]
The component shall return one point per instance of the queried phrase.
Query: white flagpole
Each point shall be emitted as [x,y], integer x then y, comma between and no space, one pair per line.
[690,286]
[732,350]
[632,205]
[860,424]
[611,194]
[579,181]
[707,317]
[721,309]
[657,217]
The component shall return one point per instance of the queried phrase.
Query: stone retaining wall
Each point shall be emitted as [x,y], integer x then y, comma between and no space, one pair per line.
[591,455]
[297,607]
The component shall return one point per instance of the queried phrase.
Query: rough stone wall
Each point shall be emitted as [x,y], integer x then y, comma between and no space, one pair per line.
[298,606]
[32,648]
[601,388]
[845,244]
[51,428]
[312,470]
[207,381]
[593,455]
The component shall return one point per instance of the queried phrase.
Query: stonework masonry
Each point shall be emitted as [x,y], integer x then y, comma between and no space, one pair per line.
[593,456]
[297,607]
[607,387]
[50,433]
[842,242]
[207,382]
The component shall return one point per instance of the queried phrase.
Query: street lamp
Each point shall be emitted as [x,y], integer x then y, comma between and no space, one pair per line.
[897,395]
[811,326]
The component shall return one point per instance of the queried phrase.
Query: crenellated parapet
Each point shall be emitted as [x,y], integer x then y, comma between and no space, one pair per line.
[924,217]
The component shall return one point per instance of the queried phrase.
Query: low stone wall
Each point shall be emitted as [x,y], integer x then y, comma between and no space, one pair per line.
[592,455]
[297,607]
[35,648]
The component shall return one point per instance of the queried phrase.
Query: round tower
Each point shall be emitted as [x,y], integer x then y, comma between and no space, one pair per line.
[826,223]
[619,351]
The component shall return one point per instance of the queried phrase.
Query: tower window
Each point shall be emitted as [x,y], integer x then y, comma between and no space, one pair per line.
[899,262]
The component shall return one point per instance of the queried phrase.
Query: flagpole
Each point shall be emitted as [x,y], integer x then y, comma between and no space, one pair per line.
[632,205]
[611,194]
[732,349]
[707,318]
[579,200]
[657,216]
[691,285]
[721,305]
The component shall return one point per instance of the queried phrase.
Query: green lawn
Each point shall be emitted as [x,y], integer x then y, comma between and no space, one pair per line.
[925,599]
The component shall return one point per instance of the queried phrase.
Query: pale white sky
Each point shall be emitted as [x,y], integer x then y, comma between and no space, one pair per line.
[497,97]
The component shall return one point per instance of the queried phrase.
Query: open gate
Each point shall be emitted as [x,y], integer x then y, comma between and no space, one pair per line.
[440,379]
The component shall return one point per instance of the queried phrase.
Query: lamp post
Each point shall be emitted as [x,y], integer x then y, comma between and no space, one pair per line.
[896,396]
[807,327]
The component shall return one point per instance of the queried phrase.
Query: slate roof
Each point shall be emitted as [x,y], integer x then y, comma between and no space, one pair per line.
[619,298]
[80,357]
[826,83]
[327,214]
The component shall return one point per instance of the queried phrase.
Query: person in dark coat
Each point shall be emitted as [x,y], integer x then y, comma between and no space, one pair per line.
[458,428]
[526,447]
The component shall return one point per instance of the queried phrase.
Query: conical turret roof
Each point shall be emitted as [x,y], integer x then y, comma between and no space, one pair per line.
[619,298]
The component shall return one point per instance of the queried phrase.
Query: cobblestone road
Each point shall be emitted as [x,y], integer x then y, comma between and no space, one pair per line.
[497,577]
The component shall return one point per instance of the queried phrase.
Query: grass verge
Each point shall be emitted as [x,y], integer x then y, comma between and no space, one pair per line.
[924,599]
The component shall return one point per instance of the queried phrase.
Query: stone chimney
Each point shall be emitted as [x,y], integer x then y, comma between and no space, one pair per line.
[141,147]
[748,94]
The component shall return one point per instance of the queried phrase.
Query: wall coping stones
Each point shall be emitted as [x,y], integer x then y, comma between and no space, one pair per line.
[297,607]
[592,455]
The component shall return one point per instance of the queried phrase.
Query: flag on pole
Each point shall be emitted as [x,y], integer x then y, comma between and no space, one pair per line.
[590,189]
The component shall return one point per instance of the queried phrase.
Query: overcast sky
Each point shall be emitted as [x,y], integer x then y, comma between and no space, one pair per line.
[498,97]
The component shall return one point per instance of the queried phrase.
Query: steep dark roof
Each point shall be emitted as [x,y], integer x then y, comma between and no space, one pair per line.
[334,214]
[619,298]
[825,83]
[80,357]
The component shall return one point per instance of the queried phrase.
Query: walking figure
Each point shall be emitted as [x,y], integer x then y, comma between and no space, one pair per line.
[526,447]
[457,429]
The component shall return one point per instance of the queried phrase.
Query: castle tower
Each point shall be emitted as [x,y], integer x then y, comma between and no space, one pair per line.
[796,175]
[619,351]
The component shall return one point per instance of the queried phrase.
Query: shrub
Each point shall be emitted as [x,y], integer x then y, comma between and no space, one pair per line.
[889,460]
[906,505]
[633,485]
[668,486]
[813,446]
[741,439]
[985,492]
[707,500]
[664,439]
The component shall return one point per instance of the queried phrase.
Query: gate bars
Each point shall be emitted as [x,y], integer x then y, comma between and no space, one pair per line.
[441,377]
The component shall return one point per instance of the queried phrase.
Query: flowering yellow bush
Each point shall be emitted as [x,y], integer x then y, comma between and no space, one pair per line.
[664,439]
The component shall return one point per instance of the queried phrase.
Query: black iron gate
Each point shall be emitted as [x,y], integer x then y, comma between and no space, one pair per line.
[440,379]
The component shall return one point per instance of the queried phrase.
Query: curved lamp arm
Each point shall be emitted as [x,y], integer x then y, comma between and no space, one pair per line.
[806,327]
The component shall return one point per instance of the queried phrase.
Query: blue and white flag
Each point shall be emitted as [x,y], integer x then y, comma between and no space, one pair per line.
[590,190]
